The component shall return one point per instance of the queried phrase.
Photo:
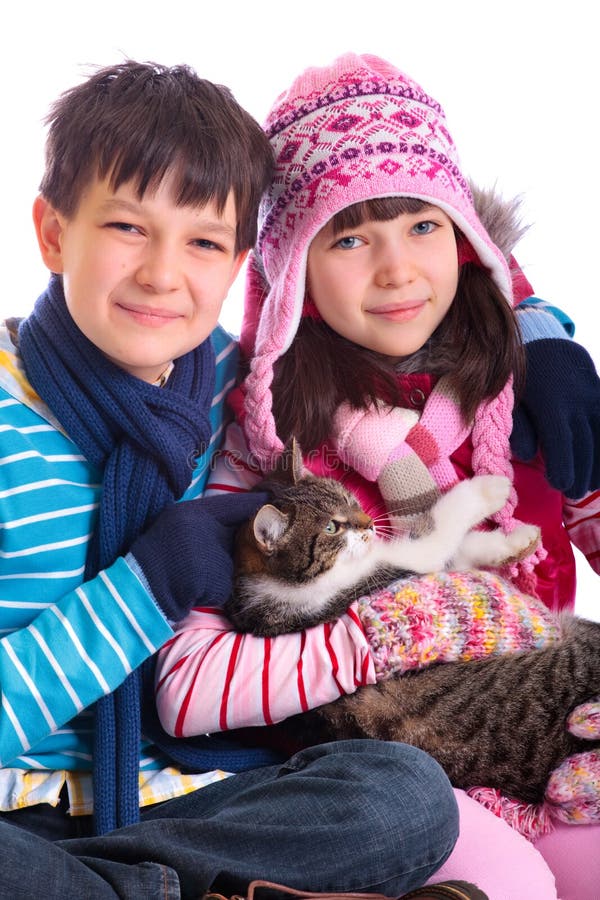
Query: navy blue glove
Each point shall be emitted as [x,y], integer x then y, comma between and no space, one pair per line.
[186,554]
[559,413]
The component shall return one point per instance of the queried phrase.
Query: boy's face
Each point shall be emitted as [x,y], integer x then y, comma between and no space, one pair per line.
[145,279]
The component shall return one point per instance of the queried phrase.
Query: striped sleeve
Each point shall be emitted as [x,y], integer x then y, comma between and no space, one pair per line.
[211,678]
[538,319]
[69,656]
[582,521]
[233,469]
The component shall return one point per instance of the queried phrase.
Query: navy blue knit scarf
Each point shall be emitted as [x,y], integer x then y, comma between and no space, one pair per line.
[144,440]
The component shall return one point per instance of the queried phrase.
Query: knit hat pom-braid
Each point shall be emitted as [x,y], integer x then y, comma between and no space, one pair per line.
[260,427]
[491,455]
[491,449]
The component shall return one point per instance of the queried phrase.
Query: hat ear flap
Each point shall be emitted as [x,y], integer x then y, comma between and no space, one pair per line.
[256,290]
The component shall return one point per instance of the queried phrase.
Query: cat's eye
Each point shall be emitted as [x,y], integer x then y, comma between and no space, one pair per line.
[332,527]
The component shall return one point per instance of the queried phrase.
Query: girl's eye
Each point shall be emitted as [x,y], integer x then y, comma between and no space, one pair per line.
[424,227]
[348,243]
[332,527]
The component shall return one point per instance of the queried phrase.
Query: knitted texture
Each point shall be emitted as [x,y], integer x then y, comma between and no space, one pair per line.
[559,413]
[411,460]
[584,721]
[448,616]
[341,134]
[365,439]
[573,791]
[572,796]
[141,438]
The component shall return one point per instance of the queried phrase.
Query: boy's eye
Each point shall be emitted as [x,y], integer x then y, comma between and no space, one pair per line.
[425,227]
[205,244]
[348,243]
[123,226]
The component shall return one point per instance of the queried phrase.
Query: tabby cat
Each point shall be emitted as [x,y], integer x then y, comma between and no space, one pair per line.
[498,721]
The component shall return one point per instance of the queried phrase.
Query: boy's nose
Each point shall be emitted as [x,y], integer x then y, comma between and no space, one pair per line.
[160,270]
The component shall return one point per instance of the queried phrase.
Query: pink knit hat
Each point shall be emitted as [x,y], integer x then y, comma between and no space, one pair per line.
[353,131]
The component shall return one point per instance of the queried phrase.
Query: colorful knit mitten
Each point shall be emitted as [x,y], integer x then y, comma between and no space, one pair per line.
[467,615]
[573,791]
[446,616]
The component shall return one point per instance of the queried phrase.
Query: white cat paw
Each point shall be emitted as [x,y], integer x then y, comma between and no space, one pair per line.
[479,497]
[522,541]
[494,491]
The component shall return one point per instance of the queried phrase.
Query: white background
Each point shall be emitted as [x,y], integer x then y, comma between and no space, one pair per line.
[518,80]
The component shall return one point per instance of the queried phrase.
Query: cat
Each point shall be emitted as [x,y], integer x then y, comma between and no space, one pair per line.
[308,554]
[498,721]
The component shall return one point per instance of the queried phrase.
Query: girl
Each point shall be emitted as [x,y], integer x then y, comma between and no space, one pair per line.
[376,289]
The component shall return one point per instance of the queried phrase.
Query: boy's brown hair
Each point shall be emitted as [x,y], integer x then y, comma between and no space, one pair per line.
[137,121]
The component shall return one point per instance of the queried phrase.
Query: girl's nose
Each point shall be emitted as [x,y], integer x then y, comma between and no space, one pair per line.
[394,266]
[160,270]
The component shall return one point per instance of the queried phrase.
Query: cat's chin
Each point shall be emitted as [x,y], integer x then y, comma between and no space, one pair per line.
[358,545]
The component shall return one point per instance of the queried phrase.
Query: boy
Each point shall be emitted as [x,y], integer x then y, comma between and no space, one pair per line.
[111,402]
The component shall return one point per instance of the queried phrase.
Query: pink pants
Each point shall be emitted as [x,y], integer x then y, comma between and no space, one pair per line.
[564,865]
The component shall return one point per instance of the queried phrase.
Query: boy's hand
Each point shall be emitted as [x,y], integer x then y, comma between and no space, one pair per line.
[559,413]
[186,554]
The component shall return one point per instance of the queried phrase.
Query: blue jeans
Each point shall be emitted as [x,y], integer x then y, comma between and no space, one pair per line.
[351,815]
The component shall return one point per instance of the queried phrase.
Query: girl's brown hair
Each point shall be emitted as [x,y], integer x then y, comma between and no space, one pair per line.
[477,346]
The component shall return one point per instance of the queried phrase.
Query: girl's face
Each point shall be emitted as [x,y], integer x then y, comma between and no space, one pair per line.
[386,285]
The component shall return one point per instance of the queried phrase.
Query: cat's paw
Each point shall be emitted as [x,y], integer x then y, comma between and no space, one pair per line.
[477,498]
[494,491]
[494,548]
[521,542]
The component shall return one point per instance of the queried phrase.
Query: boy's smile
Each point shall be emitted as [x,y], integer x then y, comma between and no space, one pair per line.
[144,279]
[386,285]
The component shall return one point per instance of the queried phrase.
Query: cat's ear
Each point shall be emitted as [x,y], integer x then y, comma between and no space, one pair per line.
[296,461]
[289,468]
[269,525]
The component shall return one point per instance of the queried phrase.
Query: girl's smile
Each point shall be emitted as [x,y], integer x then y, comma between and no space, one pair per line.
[386,285]
[398,312]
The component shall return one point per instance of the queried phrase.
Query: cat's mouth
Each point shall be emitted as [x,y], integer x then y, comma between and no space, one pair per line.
[357,545]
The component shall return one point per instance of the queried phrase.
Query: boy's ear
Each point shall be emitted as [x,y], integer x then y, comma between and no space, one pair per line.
[48,229]
[239,262]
